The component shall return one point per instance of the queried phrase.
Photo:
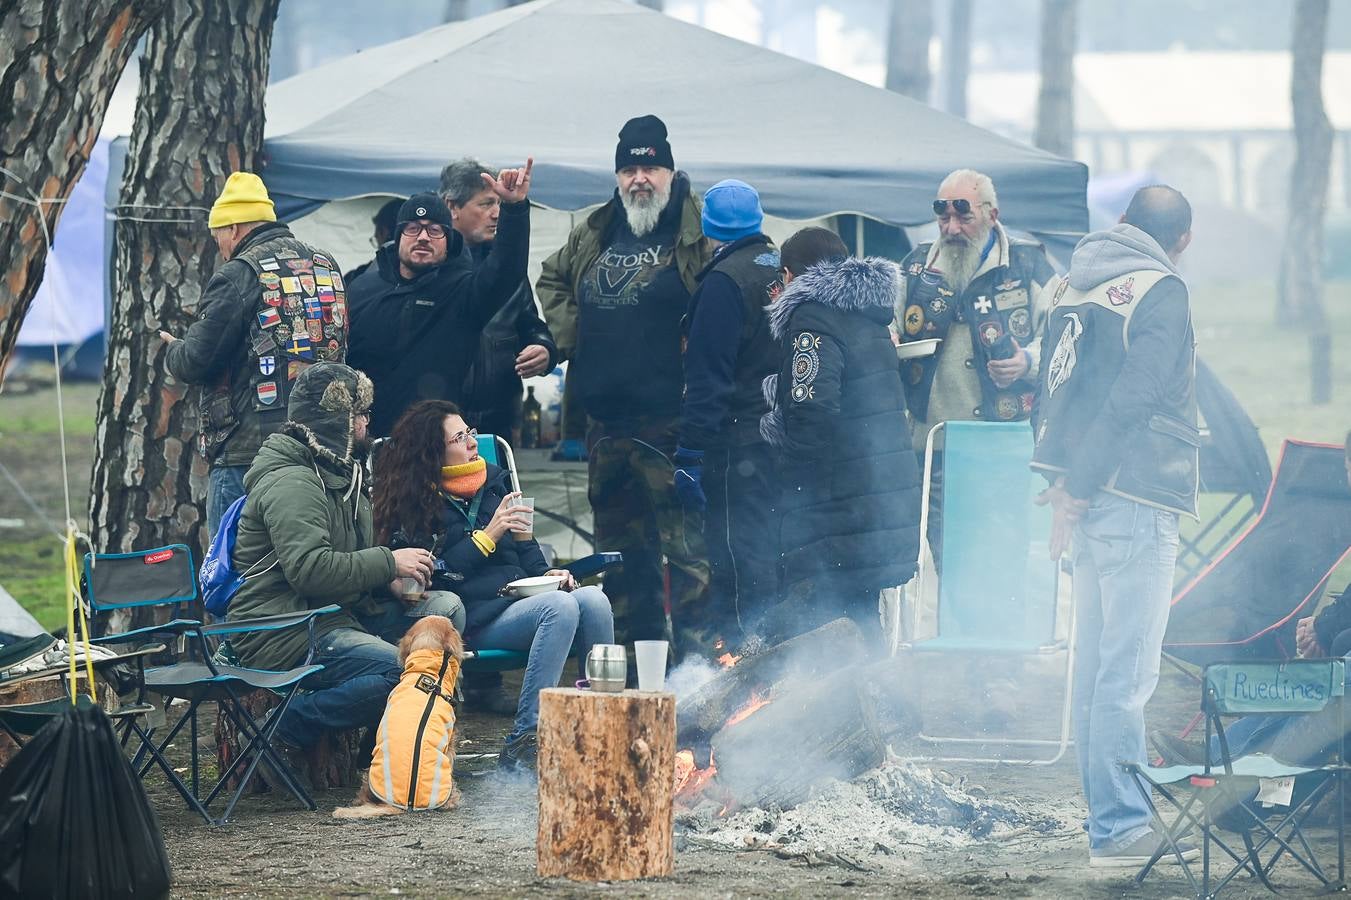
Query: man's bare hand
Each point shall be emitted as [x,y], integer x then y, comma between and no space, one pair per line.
[1066,511]
[511,185]
[167,337]
[1004,372]
[1306,639]
[532,361]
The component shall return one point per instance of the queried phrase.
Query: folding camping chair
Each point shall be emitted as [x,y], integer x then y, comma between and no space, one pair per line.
[1246,602]
[20,721]
[166,576]
[998,595]
[1201,795]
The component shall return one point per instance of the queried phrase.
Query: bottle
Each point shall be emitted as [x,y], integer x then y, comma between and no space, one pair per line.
[530,420]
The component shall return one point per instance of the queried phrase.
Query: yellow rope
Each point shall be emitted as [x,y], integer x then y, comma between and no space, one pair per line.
[74,603]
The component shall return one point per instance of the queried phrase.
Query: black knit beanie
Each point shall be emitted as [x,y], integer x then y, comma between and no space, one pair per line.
[427,206]
[642,142]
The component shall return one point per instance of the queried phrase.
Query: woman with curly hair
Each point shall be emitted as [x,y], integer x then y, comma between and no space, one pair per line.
[433,490]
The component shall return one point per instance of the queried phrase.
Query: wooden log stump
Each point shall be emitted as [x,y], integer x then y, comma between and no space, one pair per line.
[335,761]
[810,732]
[606,764]
[52,687]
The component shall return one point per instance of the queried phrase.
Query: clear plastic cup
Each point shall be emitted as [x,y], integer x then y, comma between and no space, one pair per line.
[651,659]
[528,503]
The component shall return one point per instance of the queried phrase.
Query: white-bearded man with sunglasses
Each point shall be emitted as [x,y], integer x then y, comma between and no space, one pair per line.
[417,313]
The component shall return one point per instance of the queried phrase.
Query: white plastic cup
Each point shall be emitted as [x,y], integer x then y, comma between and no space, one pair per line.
[528,503]
[651,658]
[410,588]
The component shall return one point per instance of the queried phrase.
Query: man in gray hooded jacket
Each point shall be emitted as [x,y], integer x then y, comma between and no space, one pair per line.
[1115,425]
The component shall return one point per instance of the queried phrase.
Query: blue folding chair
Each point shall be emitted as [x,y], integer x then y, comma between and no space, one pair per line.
[998,594]
[1203,796]
[166,576]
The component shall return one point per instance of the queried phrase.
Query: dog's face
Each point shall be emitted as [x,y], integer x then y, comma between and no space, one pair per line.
[431,633]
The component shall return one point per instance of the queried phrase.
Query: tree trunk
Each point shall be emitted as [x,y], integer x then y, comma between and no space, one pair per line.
[957,57]
[606,765]
[60,62]
[1300,293]
[1055,102]
[812,731]
[908,34]
[199,117]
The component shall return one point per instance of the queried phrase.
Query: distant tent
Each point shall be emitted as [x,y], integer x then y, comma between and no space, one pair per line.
[556,78]
[15,622]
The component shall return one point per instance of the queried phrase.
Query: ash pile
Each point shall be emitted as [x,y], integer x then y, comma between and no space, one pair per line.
[785,750]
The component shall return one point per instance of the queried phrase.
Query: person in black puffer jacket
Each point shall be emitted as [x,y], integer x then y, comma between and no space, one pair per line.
[433,490]
[850,484]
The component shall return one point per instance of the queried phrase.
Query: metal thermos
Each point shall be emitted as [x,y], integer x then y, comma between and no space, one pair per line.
[607,667]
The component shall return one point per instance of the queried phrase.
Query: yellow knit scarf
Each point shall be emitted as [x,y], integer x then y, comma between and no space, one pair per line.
[465,480]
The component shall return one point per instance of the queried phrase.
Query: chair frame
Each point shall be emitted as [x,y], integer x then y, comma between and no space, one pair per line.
[1205,779]
[1058,745]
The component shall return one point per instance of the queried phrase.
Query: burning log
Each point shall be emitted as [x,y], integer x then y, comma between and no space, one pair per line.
[810,732]
[605,787]
[701,715]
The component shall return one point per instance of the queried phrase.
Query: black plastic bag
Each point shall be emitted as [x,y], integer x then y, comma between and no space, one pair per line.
[74,819]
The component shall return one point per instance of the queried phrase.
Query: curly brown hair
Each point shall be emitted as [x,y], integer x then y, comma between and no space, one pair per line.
[408,471]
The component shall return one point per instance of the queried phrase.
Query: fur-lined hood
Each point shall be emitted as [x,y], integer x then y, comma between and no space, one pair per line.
[868,285]
[322,410]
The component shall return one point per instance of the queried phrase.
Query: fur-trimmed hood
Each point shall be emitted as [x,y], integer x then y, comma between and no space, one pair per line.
[868,285]
[322,410]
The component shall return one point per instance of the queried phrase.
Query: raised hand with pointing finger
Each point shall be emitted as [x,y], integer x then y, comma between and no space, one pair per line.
[511,185]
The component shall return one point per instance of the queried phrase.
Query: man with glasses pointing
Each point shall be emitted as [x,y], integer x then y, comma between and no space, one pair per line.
[417,313]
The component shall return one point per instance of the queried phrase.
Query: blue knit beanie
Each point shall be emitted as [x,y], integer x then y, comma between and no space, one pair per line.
[732,211]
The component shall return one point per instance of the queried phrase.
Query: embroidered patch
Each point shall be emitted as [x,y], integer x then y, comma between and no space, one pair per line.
[938,306]
[268,319]
[990,332]
[267,392]
[1064,357]
[1010,299]
[322,260]
[1020,323]
[307,282]
[1122,294]
[272,298]
[290,285]
[914,319]
[983,304]
[269,280]
[769,258]
[915,268]
[313,308]
[806,365]
[1007,407]
[294,368]
[299,345]
[300,265]
[1011,284]
[286,253]
[1060,291]
[267,364]
[263,343]
[268,265]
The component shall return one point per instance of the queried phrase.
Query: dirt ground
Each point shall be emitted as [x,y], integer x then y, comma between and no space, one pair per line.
[274,848]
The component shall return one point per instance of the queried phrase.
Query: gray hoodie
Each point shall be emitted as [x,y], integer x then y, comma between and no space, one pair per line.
[1104,255]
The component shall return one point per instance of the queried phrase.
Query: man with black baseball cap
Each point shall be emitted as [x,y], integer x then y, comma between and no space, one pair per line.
[417,313]
[613,296]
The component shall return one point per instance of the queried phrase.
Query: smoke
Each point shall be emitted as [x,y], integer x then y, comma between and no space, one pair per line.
[690,675]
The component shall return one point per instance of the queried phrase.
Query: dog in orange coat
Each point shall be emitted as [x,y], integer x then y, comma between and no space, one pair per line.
[414,761]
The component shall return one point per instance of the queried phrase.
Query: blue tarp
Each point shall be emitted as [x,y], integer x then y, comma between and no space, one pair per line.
[556,78]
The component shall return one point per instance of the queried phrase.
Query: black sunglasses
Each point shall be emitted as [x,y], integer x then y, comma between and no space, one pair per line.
[434,231]
[961,207]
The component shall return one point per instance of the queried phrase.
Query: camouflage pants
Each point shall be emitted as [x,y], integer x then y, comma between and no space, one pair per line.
[637,513]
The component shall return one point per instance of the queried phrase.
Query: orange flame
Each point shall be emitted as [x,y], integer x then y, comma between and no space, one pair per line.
[727,660]
[691,781]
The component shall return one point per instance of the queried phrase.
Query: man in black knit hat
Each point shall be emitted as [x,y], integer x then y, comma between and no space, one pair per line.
[418,311]
[613,296]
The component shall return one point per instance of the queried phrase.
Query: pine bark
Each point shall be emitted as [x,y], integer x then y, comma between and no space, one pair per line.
[909,32]
[59,63]
[1300,294]
[199,117]
[1055,100]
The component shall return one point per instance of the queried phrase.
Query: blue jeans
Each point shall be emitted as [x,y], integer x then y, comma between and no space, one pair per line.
[225,485]
[395,616]
[549,626]
[360,669]
[1124,553]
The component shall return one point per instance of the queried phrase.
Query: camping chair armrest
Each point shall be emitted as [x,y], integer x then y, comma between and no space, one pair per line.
[175,627]
[267,623]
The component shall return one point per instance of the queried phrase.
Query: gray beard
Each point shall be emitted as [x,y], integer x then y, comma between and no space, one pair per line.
[959,262]
[643,215]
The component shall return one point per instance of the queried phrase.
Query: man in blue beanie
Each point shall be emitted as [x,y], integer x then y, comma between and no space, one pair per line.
[722,463]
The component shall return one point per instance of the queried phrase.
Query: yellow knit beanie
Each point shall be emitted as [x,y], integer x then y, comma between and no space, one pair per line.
[244,199]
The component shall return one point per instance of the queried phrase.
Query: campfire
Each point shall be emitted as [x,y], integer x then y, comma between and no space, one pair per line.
[732,731]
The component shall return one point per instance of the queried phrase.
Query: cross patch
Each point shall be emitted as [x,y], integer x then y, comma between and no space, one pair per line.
[983,304]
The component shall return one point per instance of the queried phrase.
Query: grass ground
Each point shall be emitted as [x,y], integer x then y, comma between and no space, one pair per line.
[1267,369]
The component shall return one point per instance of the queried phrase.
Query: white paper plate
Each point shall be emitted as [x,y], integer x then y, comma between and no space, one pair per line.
[529,587]
[916,349]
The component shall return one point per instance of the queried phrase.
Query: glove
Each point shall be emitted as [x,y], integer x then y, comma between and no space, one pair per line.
[689,477]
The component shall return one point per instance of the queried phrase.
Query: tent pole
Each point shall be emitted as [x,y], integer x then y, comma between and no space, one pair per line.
[858,236]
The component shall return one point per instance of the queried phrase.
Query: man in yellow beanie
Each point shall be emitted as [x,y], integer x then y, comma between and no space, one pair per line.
[273,308]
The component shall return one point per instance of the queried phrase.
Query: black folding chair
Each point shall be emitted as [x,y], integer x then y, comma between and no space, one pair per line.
[166,576]
[1202,797]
